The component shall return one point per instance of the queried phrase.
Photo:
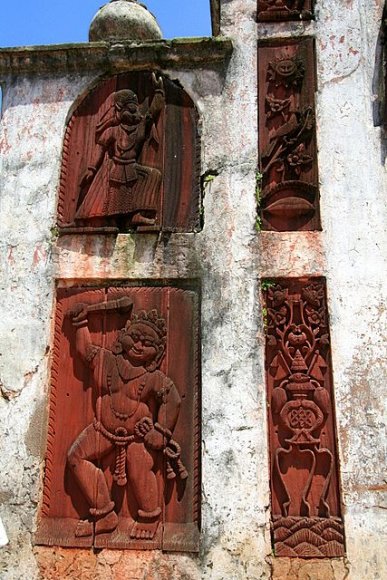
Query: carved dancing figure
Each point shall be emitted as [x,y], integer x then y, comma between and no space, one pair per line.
[137,408]
[133,189]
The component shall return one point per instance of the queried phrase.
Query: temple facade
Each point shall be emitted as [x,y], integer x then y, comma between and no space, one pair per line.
[193,254]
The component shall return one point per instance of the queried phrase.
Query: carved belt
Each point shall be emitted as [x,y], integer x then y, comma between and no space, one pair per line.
[121,440]
[121,161]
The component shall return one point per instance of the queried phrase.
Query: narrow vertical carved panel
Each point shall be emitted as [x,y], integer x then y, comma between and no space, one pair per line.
[280,10]
[305,490]
[130,158]
[122,468]
[287,135]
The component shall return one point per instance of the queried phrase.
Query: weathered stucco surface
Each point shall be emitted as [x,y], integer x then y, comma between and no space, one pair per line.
[228,256]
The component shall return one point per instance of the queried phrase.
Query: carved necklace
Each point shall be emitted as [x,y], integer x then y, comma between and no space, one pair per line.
[124,416]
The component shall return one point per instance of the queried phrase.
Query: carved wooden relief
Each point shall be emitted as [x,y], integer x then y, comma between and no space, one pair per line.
[131,159]
[306,512]
[277,10]
[287,135]
[123,448]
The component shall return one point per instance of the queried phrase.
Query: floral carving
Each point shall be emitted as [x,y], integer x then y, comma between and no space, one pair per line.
[305,491]
[287,137]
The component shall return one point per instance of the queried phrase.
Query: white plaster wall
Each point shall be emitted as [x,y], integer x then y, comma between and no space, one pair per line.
[228,256]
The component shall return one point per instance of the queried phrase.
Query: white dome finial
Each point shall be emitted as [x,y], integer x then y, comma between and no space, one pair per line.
[124,20]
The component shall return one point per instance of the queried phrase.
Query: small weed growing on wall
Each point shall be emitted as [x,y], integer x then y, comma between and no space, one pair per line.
[54,231]
[208,179]
[258,193]
[205,181]
[265,286]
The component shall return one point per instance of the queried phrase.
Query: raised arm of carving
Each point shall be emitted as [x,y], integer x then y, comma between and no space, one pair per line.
[78,314]
[158,100]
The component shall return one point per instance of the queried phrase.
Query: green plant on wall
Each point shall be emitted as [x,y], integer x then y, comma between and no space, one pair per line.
[208,178]
[258,193]
[205,182]
[265,286]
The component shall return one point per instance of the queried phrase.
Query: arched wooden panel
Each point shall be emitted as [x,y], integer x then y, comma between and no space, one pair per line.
[131,159]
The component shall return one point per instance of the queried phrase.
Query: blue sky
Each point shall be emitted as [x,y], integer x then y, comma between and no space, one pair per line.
[28,22]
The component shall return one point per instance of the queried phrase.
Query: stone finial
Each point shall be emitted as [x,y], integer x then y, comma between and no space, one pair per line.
[124,20]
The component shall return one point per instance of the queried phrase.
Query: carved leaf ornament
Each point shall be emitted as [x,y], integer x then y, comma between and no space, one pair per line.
[306,511]
[287,140]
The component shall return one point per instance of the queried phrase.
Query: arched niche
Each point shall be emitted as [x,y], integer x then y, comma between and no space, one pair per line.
[131,158]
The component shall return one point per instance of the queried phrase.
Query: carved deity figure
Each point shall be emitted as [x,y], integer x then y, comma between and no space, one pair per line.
[137,407]
[132,190]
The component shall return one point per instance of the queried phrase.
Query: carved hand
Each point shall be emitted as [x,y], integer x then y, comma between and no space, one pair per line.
[157,83]
[78,312]
[88,178]
[154,440]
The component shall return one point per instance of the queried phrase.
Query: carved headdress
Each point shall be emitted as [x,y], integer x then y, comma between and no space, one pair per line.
[156,323]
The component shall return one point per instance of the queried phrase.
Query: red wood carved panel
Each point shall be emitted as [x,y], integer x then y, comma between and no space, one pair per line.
[287,135]
[277,10]
[305,494]
[131,158]
[123,448]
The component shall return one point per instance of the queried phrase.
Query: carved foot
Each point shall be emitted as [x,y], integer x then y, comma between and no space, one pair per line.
[144,530]
[106,524]
[139,220]
[84,528]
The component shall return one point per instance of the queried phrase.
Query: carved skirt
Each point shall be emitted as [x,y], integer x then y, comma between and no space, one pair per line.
[108,198]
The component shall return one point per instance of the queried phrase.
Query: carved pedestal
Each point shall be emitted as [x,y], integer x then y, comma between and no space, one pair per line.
[123,444]
[305,487]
